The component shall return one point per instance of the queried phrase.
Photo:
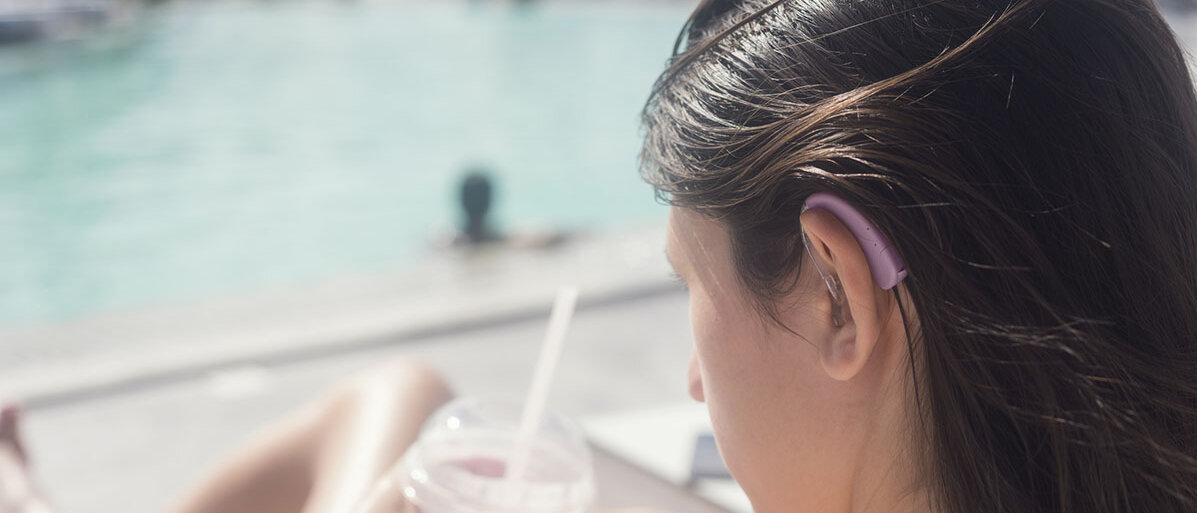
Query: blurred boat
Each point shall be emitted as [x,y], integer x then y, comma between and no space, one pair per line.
[31,20]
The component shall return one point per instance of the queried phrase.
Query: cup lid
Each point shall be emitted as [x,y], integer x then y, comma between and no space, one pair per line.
[459,463]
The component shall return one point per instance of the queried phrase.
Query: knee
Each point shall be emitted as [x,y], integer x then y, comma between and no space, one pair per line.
[407,380]
[406,374]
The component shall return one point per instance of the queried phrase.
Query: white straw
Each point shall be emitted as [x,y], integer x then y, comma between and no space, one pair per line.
[550,353]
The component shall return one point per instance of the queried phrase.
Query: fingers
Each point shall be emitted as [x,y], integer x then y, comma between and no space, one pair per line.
[10,417]
[632,510]
[385,497]
[10,414]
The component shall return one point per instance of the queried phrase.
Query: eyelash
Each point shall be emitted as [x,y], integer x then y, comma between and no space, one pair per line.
[678,278]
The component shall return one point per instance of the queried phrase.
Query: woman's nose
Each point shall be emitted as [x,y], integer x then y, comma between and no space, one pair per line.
[695,376]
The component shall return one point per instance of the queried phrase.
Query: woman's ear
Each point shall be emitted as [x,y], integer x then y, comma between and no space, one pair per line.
[846,349]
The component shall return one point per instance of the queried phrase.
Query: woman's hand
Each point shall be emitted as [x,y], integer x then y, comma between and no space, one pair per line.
[385,497]
[632,510]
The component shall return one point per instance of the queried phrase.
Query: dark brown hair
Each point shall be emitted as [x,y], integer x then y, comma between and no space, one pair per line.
[1034,163]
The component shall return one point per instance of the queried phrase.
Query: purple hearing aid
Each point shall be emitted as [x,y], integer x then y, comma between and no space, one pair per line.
[884,262]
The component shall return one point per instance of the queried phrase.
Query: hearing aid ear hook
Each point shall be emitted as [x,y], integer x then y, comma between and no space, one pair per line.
[887,268]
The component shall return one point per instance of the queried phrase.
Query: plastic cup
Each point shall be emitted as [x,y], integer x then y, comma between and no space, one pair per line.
[459,465]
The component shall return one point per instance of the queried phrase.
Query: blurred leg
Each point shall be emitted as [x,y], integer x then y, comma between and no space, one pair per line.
[324,458]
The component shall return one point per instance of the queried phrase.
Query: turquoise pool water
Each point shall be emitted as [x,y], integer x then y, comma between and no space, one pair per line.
[223,146]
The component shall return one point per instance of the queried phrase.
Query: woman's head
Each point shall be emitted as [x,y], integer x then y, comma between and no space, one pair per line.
[795,406]
[1034,163]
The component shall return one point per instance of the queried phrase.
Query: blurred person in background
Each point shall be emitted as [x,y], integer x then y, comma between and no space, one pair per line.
[1033,164]
[476,197]
[477,192]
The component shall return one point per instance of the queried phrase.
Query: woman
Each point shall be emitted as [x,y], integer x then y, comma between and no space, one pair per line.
[1032,164]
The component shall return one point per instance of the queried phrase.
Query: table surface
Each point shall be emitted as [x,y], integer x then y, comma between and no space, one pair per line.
[642,458]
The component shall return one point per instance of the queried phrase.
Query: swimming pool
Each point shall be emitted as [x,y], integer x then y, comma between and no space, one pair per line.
[216,147]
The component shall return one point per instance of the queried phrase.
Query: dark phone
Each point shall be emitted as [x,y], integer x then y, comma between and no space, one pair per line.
[707,464]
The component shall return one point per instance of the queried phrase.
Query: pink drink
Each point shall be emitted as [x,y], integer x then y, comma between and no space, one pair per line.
[483,467]
[460,464]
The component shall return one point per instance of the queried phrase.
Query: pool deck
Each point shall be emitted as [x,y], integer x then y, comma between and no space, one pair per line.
[165,393]
[447,291]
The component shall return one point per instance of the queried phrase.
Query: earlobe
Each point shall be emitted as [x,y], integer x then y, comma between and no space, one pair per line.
[842,358]
[845,349]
